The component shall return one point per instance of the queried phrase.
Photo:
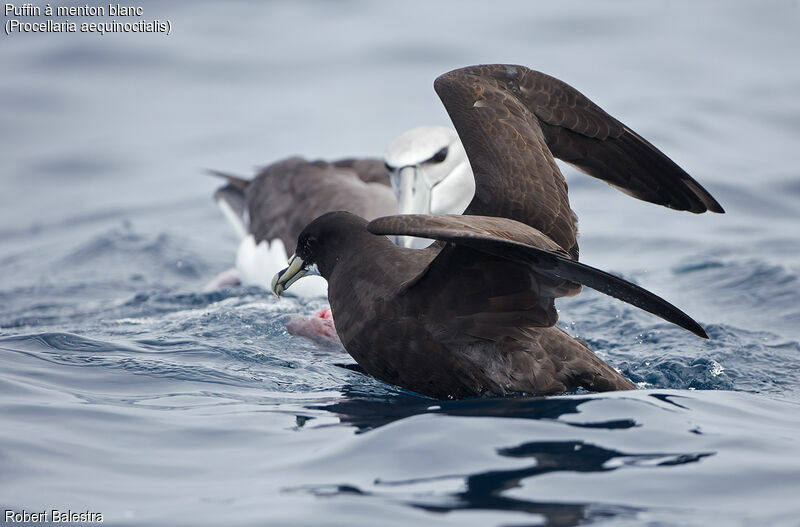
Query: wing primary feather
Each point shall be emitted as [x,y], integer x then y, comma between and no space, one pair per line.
[625,291]
[496,236]
[505,113]
[568,269]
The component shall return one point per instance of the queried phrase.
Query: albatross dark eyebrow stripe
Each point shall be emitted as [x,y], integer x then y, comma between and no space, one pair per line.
[439,156]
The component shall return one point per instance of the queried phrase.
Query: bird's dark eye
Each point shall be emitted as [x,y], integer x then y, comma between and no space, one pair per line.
[439,156]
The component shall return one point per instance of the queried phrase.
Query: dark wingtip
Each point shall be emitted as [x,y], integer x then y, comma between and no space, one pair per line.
[670,313]
[711,204]
[702,206]
[699,203]
[697,329]
[706,200]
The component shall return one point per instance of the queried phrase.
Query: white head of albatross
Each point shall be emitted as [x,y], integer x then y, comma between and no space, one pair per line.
[430,174]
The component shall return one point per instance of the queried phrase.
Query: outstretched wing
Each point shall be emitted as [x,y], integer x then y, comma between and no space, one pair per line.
[475,239]
[515,174]
[581,133]
[513,120]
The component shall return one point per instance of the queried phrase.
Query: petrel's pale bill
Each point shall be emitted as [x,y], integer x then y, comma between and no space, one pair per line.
[297,269]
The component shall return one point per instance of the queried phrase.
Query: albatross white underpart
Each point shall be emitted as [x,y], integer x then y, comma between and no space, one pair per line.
[430,174]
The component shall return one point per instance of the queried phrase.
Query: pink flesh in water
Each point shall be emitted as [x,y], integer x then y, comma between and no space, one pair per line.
[324,313]
[318,327]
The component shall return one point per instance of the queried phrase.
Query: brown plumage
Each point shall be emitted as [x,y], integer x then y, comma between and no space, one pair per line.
[475,312]
[286,195]
[513,121]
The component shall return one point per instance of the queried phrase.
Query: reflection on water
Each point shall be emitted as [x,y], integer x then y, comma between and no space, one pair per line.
[487,490]
[365,411]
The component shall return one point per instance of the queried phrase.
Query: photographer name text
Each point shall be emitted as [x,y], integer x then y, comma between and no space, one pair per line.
[52,516]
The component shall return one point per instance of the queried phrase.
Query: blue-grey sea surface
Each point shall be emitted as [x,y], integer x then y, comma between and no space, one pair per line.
[127,390]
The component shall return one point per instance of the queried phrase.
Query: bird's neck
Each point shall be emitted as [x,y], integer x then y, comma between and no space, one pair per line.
[370,260]
[370,276]
[454,193]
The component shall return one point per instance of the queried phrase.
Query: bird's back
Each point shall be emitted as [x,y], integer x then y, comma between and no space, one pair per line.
[441,346]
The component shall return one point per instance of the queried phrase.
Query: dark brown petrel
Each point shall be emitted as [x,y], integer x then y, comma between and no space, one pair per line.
[475,312]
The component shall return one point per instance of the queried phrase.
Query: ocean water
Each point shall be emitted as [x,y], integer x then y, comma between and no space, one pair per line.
[127,391]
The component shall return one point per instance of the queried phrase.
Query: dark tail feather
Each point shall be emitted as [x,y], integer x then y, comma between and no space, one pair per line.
[232,180]
[233,196]
[231,200]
